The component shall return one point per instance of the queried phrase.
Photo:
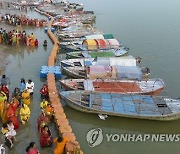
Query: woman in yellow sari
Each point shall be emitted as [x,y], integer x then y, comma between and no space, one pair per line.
[26,97]
[49,111]
[4,112]
[3,100]
[24,113]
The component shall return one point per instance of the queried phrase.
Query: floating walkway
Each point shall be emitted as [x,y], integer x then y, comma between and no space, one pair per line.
[62,122]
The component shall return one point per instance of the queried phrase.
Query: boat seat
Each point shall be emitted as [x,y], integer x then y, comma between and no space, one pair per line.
[97,102]
[77,64]
[85,103]
[85,98]
[80,87]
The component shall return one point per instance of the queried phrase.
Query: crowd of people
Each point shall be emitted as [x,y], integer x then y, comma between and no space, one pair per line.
[16,38]
[10,109]
[19,106]
[22,20]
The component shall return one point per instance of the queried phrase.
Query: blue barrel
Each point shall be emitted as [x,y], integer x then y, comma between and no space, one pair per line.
[57,74]
[57,68]
[53,29]
[45,29]
[44,67]
[43,74]
[51,71]
[51,68]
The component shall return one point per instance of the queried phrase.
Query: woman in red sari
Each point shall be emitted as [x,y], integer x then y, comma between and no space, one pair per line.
[5,90]
[46,137]
[12,113]
[42,121]
[44,92]
[31,149]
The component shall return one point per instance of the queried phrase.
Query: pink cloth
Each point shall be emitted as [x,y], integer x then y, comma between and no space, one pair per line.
[32,151]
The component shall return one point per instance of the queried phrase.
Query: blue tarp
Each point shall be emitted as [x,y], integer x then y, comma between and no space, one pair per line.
[129,72]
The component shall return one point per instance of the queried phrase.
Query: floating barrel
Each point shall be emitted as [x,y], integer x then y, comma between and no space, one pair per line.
[53,29]
[45,29]
[50,70]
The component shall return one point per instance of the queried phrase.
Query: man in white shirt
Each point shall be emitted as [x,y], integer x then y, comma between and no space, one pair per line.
[30,86]
[2,149]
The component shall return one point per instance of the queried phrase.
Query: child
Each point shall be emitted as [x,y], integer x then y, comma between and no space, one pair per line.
[8,138]
[11,132]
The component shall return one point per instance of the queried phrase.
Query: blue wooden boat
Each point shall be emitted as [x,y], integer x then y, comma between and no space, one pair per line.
[123,105]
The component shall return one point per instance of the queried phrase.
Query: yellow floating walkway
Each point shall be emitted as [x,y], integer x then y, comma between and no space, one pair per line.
[62,122]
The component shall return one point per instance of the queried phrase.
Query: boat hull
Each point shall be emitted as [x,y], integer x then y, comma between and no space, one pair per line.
[72,74]
[169,117]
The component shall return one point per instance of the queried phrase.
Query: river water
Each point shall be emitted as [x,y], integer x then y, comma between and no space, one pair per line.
[150,28]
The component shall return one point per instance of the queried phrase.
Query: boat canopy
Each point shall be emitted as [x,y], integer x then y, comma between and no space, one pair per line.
[103,61]
[129,72]
[114,43]
[90,44]
[95,36]
[99,71]
[112,61]
[102,43]
[115,72]
[108,36]
[122,61]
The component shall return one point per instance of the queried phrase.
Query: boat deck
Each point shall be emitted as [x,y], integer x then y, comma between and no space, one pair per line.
[131,105]
[120,87]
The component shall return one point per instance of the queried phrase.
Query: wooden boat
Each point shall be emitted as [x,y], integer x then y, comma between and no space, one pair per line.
[108,72]
[96,34]
[77,36]
[98,53]
[94,44]
[123,105]
[149,87]
[111,61]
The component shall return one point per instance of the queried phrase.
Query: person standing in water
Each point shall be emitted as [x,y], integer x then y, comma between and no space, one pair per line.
[45,43]
[22,85]
[24,113]
[31,149]
[30,86]
[26,97]
[5,80]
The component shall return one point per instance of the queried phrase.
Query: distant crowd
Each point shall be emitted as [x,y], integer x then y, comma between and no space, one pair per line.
[16,38]
[21,20]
